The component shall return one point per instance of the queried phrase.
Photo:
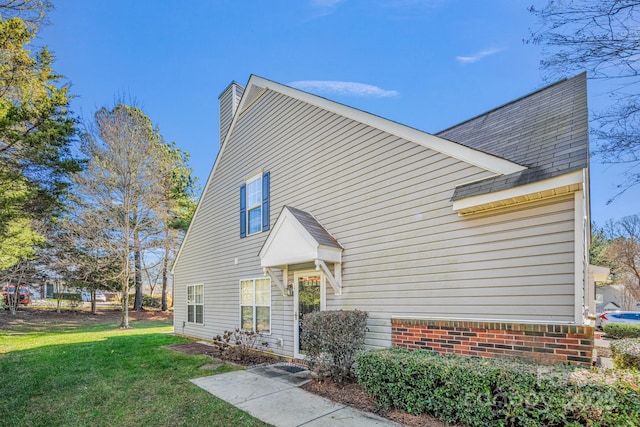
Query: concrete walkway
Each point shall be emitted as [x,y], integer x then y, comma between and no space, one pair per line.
[271,394]
[603,341]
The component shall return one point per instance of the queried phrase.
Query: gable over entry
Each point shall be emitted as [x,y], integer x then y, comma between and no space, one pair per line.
[296,238]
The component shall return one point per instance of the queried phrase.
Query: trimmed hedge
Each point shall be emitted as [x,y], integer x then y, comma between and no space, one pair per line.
[497,392]
[68,296]
[626,353]
[331,341]
[621,330]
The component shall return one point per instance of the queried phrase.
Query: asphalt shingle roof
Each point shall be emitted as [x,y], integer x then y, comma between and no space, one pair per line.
[317,231]
[545,131]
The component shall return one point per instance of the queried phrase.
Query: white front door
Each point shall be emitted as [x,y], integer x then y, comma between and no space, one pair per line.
[308,297]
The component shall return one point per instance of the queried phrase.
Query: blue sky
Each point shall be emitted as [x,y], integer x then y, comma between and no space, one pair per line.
[428,64]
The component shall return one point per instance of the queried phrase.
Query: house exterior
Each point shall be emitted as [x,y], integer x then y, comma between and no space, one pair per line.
[473,240]
[615,297]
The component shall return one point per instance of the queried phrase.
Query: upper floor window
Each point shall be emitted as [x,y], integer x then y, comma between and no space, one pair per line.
[254,205]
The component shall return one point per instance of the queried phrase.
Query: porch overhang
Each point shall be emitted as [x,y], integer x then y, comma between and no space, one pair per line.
[553,187]
[296,238]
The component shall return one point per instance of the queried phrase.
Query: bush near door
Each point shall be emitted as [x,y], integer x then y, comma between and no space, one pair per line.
[332,339]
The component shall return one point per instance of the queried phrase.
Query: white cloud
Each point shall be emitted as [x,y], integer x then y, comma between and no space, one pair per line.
[478,56]
[343,88]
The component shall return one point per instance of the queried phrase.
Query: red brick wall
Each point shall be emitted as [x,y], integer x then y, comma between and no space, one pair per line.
[547,344]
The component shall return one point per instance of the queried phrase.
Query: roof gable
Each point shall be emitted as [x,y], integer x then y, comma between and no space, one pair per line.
[298,237]
[500,166]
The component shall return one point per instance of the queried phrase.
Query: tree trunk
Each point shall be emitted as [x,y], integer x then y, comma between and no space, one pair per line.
[165,266]
[124,322]
[93,302]
[137,256]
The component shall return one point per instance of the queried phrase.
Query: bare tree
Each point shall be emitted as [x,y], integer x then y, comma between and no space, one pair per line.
[602,37]
[120,182]
[33,12]
[624,252]
[90,250]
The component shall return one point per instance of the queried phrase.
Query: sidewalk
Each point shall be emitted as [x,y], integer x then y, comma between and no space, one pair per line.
[271,394]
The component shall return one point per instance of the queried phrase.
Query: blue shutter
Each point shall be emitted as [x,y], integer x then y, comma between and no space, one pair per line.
[243,211]
[265,201]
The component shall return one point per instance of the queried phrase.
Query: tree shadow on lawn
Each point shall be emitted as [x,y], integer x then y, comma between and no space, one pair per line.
[128,379]
[31,319]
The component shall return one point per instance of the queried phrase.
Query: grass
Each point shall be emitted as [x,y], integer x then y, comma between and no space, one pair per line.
[97,375]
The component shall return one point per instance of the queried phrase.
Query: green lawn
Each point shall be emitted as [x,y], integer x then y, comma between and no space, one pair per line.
[97,375]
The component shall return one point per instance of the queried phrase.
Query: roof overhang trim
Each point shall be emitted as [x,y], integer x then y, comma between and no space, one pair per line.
[468,155]
[599,273]
[553,187]
[289,242]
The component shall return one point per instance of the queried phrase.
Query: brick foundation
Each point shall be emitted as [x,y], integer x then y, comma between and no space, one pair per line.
[546,344]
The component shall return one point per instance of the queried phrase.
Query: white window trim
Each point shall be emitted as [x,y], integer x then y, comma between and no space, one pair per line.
[257,177]
[194,305]
[254,305]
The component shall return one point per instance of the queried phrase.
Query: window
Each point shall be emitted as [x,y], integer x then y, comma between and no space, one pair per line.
[195,304]
[254,205]
[255,305]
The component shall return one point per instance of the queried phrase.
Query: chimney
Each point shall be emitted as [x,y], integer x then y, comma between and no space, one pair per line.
[229,100]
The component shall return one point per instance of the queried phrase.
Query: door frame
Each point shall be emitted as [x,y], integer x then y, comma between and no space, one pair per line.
[323,302]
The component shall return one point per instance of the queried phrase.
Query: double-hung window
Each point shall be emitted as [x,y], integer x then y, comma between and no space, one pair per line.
[254,205]
[255,305]
[195,304]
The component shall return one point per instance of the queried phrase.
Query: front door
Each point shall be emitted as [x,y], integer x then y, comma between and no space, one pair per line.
[307,299]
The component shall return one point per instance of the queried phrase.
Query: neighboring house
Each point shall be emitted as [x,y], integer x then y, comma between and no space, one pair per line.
[473,240]
[615,297]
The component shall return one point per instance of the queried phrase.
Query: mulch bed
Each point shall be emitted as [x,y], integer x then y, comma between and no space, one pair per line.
[211,351]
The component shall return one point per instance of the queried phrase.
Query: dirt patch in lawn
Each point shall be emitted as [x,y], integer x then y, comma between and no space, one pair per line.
[43,317]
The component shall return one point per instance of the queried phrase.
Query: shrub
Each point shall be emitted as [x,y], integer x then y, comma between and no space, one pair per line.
[151,302]
[68,296]
[73,298]
[621,330]
[626,353]
[238,345]
[331,341]
[497,392]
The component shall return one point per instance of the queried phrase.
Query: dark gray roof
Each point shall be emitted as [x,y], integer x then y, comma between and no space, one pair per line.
[545,131]
[317,231]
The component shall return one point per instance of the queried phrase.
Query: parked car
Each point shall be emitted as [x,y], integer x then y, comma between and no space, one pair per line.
[9,291]
[627,317]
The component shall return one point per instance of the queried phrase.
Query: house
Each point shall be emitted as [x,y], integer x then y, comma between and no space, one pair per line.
[473,240]
[615,297]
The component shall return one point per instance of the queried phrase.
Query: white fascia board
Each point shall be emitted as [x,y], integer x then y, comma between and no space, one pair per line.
[575,177]
[460,152]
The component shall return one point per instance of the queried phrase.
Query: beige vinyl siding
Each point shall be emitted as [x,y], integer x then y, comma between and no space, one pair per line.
[228,101]
[387,201]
